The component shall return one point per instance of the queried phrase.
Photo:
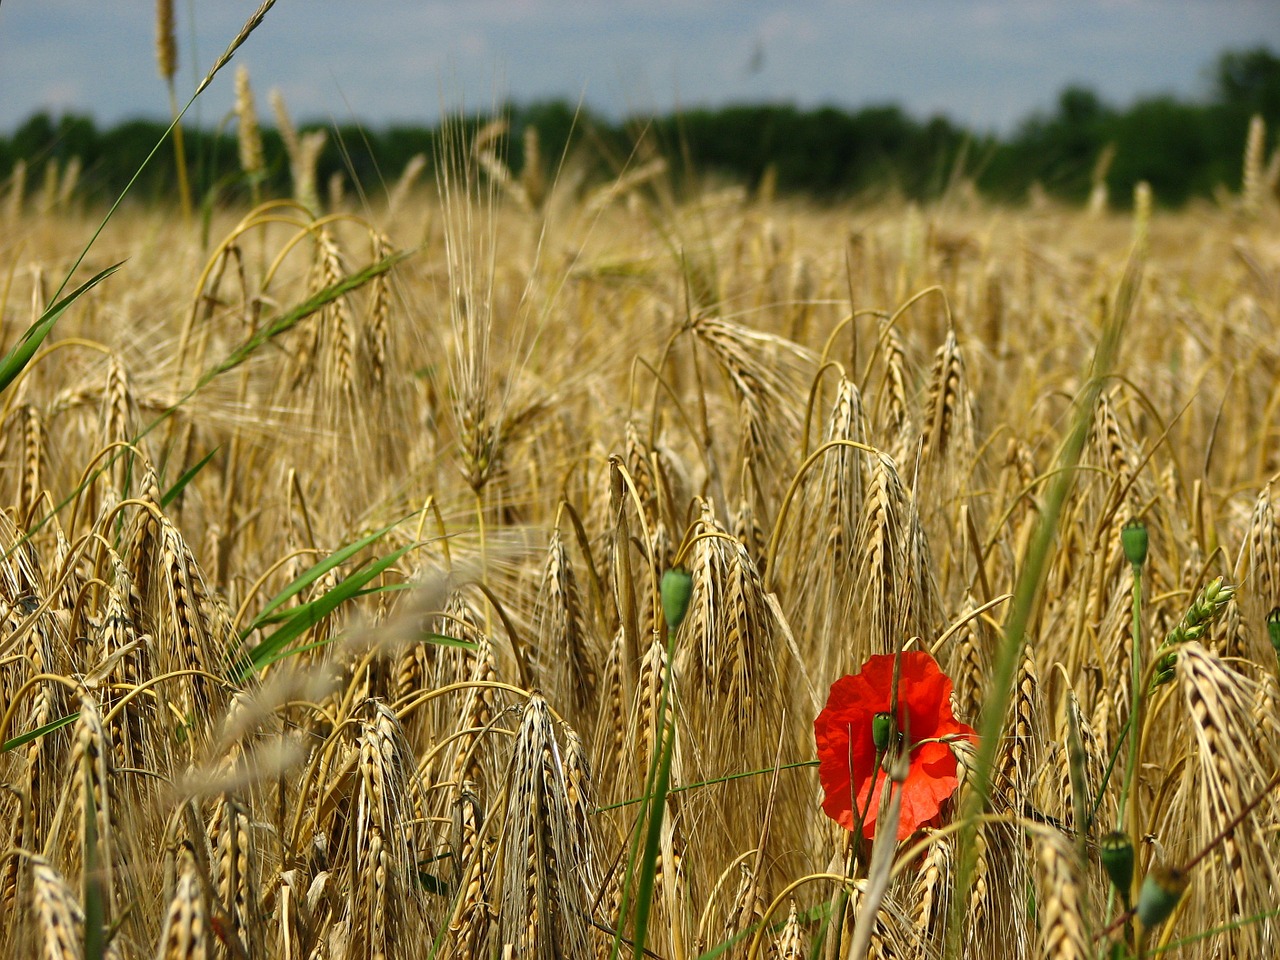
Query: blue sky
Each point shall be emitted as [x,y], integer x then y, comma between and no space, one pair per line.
[987,63]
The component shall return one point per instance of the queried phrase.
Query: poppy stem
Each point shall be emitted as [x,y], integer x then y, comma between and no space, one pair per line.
[835,921]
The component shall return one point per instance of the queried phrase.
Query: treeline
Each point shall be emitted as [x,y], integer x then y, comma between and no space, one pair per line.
[1183,149]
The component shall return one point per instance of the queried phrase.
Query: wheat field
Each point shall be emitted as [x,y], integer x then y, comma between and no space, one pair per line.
[334,542]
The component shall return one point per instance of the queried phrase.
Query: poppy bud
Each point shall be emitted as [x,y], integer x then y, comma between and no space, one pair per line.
[1117,859]
[1161,891]
[677,586]
[1133,538]
[881,728]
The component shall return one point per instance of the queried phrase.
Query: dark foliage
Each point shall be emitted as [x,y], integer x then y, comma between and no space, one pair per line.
[1183,149]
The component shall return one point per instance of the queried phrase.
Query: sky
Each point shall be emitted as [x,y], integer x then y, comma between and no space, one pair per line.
[984,63]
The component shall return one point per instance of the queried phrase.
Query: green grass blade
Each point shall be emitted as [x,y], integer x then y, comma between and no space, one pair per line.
[711,783]
[435,638]
[172,493]
[309,615]
[16,359]
[94,900]
[39,732]
[649,859]
[1026,592]
[311,575]
[290,319]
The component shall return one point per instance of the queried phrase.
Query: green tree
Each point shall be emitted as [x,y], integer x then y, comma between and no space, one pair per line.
[1249,80]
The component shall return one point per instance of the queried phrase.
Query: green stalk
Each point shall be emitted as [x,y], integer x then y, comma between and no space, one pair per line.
[1134,728]
[657,810]
[1025,595]
[1134,541]
[677,587]
[835,919]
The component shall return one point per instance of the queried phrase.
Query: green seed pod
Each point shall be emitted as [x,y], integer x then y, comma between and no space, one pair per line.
[1116,850]
[1161,891]
[881,729]
[677,587]
[1273,629]
[1133,538]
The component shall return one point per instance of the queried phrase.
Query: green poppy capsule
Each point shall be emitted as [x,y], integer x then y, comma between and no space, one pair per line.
[1161,891]
[1116,850]
[881,730]
[1133,538]
[677,586]
[1273,629]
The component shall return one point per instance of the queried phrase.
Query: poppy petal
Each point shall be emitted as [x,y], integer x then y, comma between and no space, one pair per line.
[847,758]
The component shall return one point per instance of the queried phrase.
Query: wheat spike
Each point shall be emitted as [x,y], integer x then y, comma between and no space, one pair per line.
[1111,445]
[381,863]
[194,633]
[753,364]
[824,535]
[894,403]
[284,125]
[747,907]
[1257,571]
[166,41]
[562,634]
[611,727]
[980,892]
[1064,927]
[478,712]
[59,916]
[118,416]
[970,662]
[31,430]
[1021,750]
[790,944]
[377,335]
[930,891]
[186,934]
[543,904]
[532,179]
[248,133]
[949,413]
[1233,769]
[1252,193]
[337,333]
[473,916]
[730,660]
[92,787]
[235,873]
[893,561]
[130,656]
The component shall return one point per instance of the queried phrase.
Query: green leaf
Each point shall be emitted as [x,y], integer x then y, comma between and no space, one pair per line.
[16,359]
[311,575]
[287,321]
[446,641]
[310,614]
[39,732]
[171,494]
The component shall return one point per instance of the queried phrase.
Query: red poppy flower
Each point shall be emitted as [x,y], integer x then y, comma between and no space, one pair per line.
[847,750]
